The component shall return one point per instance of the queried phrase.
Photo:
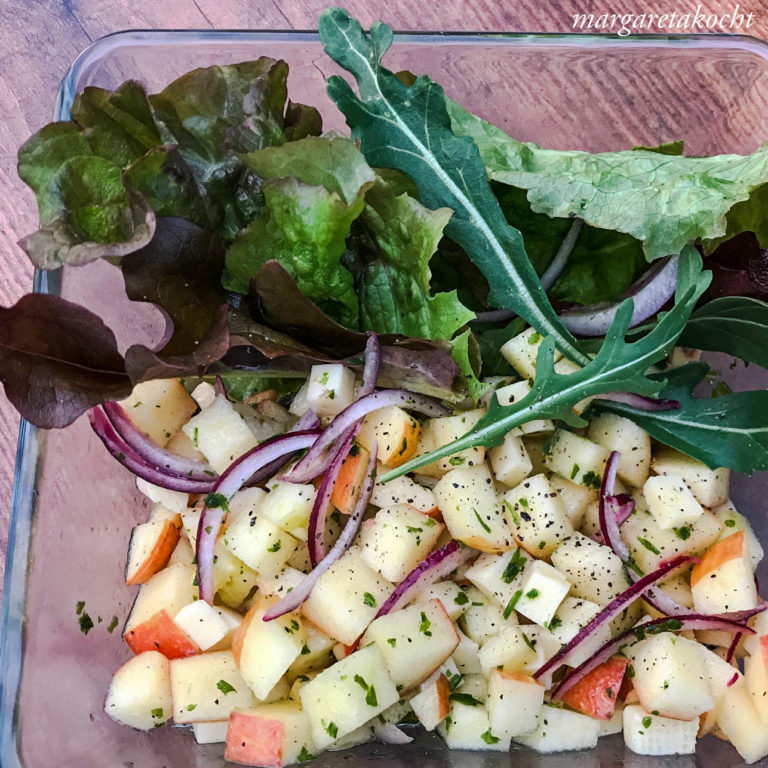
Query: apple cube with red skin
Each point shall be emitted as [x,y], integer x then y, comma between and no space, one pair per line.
[269,735]
[140,692]
[432,704]
[413,641]
[151,546]
[169,590]
[596,693]
[161,633]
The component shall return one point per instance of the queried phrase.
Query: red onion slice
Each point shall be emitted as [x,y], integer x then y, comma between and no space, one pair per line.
[137,464]
[613,609]
[688,621]
[733,680]
[219,388]
[440,564]
[372,364]
[609,527]
[650,293]
[316,529]
[153,453]
[319,456]
[230,482]
[389,733]
[300,593]
[732,647]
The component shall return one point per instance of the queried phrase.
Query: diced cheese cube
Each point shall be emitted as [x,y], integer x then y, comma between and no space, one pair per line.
[330,389]
[670,501]
[647,734]
[538,517]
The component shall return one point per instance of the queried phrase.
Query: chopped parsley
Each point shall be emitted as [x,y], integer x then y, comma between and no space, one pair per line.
[489,738]
[513,566]
[305,755]
[112,625]
[456,461]
[647,544]
[369,599]
[275,547]
[512,603]
[157,713]
[534,339]
[454,681]
[532,594]
[554,623]
[292,627]
[414,529]
[79,607]
[592,480]
[225,687]
[461,599]
[331,729]
[482,522]
[194,437]
[86,623]
[730,523]
[191,707]
[574,471]
[392,641]
[217,501]
[465,698]
[425,625]
[647,722]
[527,640]
[370,691]
[305,649]
[683,533]
[513,512]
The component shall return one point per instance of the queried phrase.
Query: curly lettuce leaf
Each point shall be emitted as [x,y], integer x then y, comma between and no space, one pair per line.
[313,190]
[407,128]
[665,201]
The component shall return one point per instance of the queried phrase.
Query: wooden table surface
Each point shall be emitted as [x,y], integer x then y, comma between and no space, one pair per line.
[41,38]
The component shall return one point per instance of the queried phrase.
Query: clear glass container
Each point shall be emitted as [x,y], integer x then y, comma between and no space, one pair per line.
[73,507]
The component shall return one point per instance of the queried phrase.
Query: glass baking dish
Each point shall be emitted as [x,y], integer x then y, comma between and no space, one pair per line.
[73,508]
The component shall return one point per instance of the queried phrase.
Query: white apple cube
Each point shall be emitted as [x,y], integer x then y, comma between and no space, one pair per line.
[413,641]
[176,501]
[159,408]
[514,703]
[347,695]
[220,434]
[472,510]
[576,458]
[432,704]
[467,727]
[572,615]
[207,687]
[441,431]
[596,573]
[512,649]
[510,461]
[140,692]
[397,539]
[330,389]
[543,589]
[403,490]
[316,653]
[259,543]
[212,732]
[756,674]
[720,672]
[346,598]
[514,393]
[671,676]
[170,590]
[561,730]
[575,497]
[740,723]
[288,506]
[497,577]
[708,486]
[539,520]
[733,522]
[670,501]
[452,597]
[652,734]
[522,350]
[617,433]
[466,655]
[203,624]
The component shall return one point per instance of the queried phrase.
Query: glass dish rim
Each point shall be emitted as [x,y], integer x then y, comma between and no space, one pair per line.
[30,441]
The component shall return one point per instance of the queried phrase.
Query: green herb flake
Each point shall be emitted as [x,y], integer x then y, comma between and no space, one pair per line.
[647,722]
[466,698]
[305,649]
[112,625]
[369,599]
[683,532]
[514,566]
[425,625]
[489,738]
[482,522]
[392,641]
[331,729]
[305,755]
[532,594]
[191,707]
[414,529]
[534,339]
[592,480]
[194,437]
[217,501]
[554,623]
[225,687]
[574,471]
[648,545]
[512,603]
[86,623]
[730,523]
[527,640]
[79,607]
[157,713]
[275,547]
[513,513]
[461,599]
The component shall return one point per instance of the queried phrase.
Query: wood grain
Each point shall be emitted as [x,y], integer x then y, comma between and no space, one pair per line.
[40,40]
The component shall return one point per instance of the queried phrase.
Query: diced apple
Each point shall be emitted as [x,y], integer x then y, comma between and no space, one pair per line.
[176,501]
[671,677]
[346,597]
[653,734]
[596,573]
[497,577]
[397,539]
[161,633]
[259,543]
[207,687]
[269,735]
[204,394]
[560,730]
[181,445]
[472,509]
[576,458]
[539,520]
[288,506]
[264,650]
[212,732]
[733,521]
[203,624]
[514,393]
[572,615]
[575,497]
[453,598]
[512,649]
[347,695]
[720,673]
[543,589]
[316,653]
[151,546]
[670,501]
[280,583]
[432,703]
[468,727]
[617,433]
[350,479]
[396,432]
[739,721]
[330,388]
[483,616]
[159,408]
[723,580]
[443,431]
[708,486]
[404,490]
[756,674]
[182,553]
[466,655]
[140,692]
[522,350]
[220,434]
[413,641]
[514,703]
[597,692]
[510,461]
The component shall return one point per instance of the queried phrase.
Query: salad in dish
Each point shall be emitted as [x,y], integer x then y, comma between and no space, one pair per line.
[421,436]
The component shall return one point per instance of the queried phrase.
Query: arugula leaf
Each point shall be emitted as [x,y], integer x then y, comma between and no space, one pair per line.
[394,287]
[663,200]
[57,359]
[618,366]
[720,431]
[313,190]
[737,325]
[408,128]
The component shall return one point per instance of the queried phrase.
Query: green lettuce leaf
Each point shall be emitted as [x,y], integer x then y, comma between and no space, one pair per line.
[313,190]
[407,128]
[466,352]
[665,201]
